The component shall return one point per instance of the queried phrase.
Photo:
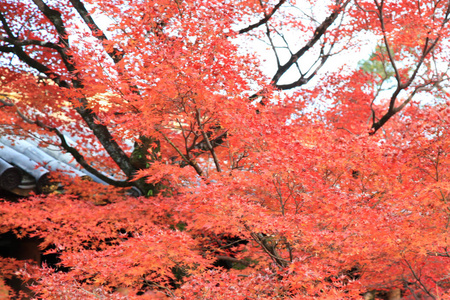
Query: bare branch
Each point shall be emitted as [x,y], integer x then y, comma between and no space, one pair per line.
[388,48]
[273,46]
[318,33]
[288,48]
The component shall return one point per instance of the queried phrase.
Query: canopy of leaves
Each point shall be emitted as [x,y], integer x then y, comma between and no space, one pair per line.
[284,183]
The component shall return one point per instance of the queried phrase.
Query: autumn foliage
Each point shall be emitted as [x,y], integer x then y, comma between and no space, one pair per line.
[285,179]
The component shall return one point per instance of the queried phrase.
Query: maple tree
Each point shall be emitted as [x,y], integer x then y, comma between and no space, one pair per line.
[300,184]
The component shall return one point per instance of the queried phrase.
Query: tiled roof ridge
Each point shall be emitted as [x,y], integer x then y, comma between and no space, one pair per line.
[19,157]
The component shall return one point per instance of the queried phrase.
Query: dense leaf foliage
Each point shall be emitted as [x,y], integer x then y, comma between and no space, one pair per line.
[260,180]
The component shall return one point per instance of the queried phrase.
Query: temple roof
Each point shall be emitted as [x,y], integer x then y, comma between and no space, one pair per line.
[26,166]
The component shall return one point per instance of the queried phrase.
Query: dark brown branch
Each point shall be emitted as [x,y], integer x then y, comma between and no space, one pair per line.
[402,86]
[40,67]
[263,20]
[418,280]
[386,43]
[6,49]
[21,43]
[318,33]
[6,27]
[115,54]
[428,47]
[80,159]
[16,49]
[208,143]
[18,43]
[215,142]
[287,47]
[270,249]
[273,46]
[187,159]
[6,103]
[77,155]
[91,119]
[107,140]
[55,18]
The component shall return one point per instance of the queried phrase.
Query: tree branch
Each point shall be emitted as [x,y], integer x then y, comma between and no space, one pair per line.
[16,49]
[263,20]
[270,249]
[77,155]
[208,143]
[80,159]
[318,33]
[21,43]
[427,48]
[55,18]
[115,54]
[91,119]
[188,160]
